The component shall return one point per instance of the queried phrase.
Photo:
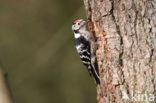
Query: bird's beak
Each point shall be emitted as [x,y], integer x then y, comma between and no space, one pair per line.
[86,22]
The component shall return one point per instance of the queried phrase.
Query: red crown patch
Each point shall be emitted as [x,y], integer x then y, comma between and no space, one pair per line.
[76,21]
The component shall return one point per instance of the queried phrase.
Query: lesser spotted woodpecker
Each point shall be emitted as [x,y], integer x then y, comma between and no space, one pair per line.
[84,45]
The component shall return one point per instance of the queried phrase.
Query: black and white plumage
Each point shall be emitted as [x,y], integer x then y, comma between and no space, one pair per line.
[83,45]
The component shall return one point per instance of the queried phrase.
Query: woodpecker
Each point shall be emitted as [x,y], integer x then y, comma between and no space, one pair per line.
[84,46]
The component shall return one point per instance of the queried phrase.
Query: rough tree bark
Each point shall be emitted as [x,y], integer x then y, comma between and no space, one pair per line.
[125,31]
[5,96]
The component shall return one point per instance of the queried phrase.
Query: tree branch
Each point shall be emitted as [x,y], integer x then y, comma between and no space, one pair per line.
[5,96]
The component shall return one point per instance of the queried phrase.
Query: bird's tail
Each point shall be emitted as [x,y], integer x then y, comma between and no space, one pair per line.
[95,75]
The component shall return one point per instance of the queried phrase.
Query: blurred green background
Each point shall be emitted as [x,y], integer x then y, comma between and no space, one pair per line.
[37,51]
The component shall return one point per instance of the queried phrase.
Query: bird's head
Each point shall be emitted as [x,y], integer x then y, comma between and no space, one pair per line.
[78,25]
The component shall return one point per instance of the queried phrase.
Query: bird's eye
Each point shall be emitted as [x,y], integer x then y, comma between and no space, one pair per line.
[78,23]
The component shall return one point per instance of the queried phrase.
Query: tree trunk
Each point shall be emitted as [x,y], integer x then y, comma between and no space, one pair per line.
[125,31]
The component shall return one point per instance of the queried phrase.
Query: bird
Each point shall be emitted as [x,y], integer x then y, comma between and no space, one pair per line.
[84,45]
